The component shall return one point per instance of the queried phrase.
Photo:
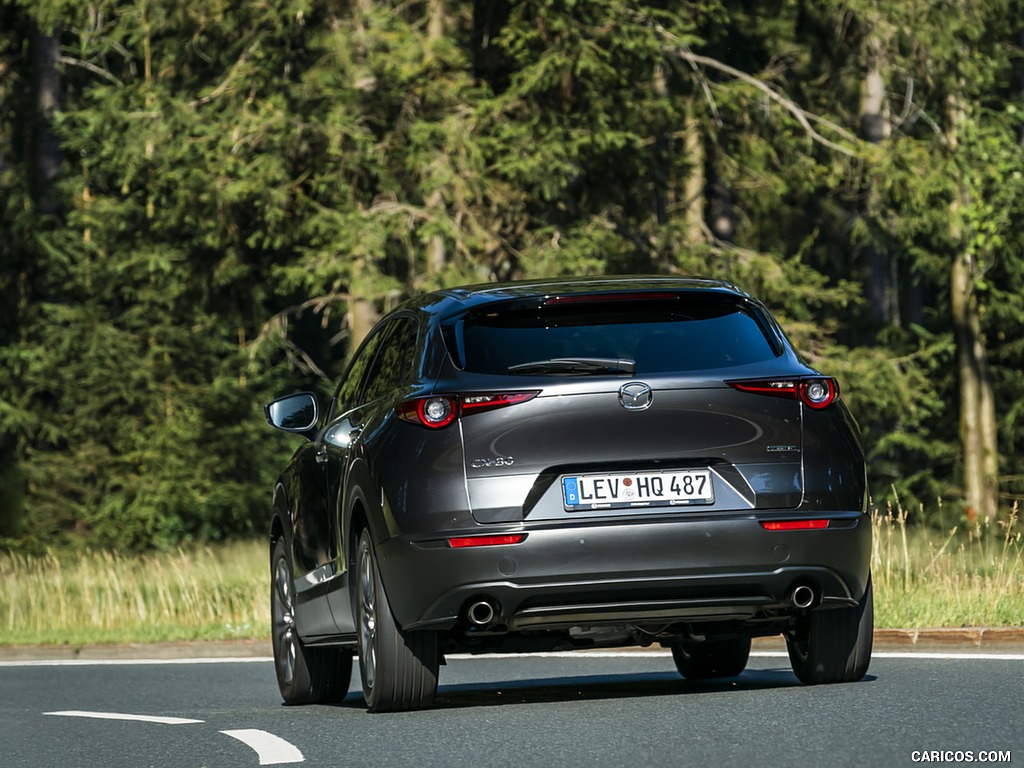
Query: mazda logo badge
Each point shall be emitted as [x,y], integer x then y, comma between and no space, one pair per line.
[636,396]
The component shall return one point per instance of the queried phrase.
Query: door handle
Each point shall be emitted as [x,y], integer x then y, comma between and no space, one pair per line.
[321,455]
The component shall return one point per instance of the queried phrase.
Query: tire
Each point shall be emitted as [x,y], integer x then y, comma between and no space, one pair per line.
[717,657]
[834,645]
[304,675]
[398,667]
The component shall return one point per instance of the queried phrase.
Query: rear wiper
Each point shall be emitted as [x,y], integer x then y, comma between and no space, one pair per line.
[576,365]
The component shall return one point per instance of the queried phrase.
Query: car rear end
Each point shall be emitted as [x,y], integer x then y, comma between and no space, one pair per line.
[633,459]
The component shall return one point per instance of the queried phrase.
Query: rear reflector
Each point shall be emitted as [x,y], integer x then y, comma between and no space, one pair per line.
[486,541]
[794,525]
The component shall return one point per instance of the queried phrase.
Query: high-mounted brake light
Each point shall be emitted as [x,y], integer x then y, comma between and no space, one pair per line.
[794,525]
[593,298]
[460,542]
[438,411]
[817,392]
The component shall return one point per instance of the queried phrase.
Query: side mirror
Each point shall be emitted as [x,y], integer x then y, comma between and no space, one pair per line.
[293,413]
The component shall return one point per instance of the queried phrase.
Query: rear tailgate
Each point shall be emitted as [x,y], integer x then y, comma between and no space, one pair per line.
[577,451]
[633,415]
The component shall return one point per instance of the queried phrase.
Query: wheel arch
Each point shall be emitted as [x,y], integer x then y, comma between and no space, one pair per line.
[365,511]
[279,519]
[358,520]
[365,507]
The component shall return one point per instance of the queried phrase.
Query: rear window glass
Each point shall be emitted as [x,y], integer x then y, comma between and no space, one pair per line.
[657,335]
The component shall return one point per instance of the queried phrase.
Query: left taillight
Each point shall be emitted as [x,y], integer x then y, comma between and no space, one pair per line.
[817,392]
[433,412]
[438,411]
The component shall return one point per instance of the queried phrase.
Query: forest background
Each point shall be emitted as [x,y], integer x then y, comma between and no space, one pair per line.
[206,204]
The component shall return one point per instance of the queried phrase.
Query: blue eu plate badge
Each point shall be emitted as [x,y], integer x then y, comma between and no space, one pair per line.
[571,489]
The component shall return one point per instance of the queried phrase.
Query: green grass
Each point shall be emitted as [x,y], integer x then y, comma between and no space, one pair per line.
[965,577]
[210,593]
[971,576]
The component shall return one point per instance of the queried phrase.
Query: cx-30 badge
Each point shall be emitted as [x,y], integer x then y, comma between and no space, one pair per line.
[636,396]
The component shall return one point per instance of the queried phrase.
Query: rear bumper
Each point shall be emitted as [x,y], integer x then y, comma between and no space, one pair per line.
[629,571]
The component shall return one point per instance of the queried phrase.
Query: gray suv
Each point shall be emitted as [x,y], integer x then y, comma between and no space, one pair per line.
[552,465]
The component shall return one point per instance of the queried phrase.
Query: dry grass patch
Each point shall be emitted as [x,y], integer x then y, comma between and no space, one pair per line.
[215,592]
[971,576]
[965,577]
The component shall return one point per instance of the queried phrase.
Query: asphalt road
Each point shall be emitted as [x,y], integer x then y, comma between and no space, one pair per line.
[622,710]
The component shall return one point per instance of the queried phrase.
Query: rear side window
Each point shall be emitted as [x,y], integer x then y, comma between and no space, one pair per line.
[348,393]
[395,361]
[663,335]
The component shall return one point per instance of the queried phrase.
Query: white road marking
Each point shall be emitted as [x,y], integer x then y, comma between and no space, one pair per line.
[121,716]
[273,750]
[132,662]
[626,653]
[607,654]
[952,656]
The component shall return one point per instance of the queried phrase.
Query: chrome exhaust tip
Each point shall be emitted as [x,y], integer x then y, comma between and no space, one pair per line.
[803,596]
[481,613]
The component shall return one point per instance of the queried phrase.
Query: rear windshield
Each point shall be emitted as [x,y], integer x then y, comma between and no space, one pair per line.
[665,335]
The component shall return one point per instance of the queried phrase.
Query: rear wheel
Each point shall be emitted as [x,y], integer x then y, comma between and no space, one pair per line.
[304,675]
[834,645]
[716,657]
[398,667]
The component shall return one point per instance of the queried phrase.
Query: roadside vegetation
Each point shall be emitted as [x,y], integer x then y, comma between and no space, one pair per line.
[210,593]
[191,229]
[963,576]
[969,575]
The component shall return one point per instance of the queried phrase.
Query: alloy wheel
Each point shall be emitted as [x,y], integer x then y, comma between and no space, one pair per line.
[367,617]
[284,623]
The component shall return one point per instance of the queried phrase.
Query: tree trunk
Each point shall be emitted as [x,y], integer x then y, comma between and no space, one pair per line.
[489,61]
[362,316]
[436,22]
[659,157]
[880,280]
[693,189]
[362,311]
[436,256]
[721,217]
[44,153]
[977,399]
[978,435]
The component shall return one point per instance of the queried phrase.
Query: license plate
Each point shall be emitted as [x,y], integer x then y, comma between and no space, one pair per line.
[638,489]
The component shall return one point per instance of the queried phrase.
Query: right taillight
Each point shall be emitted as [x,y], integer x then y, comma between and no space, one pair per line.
[438,411]
[817,392]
